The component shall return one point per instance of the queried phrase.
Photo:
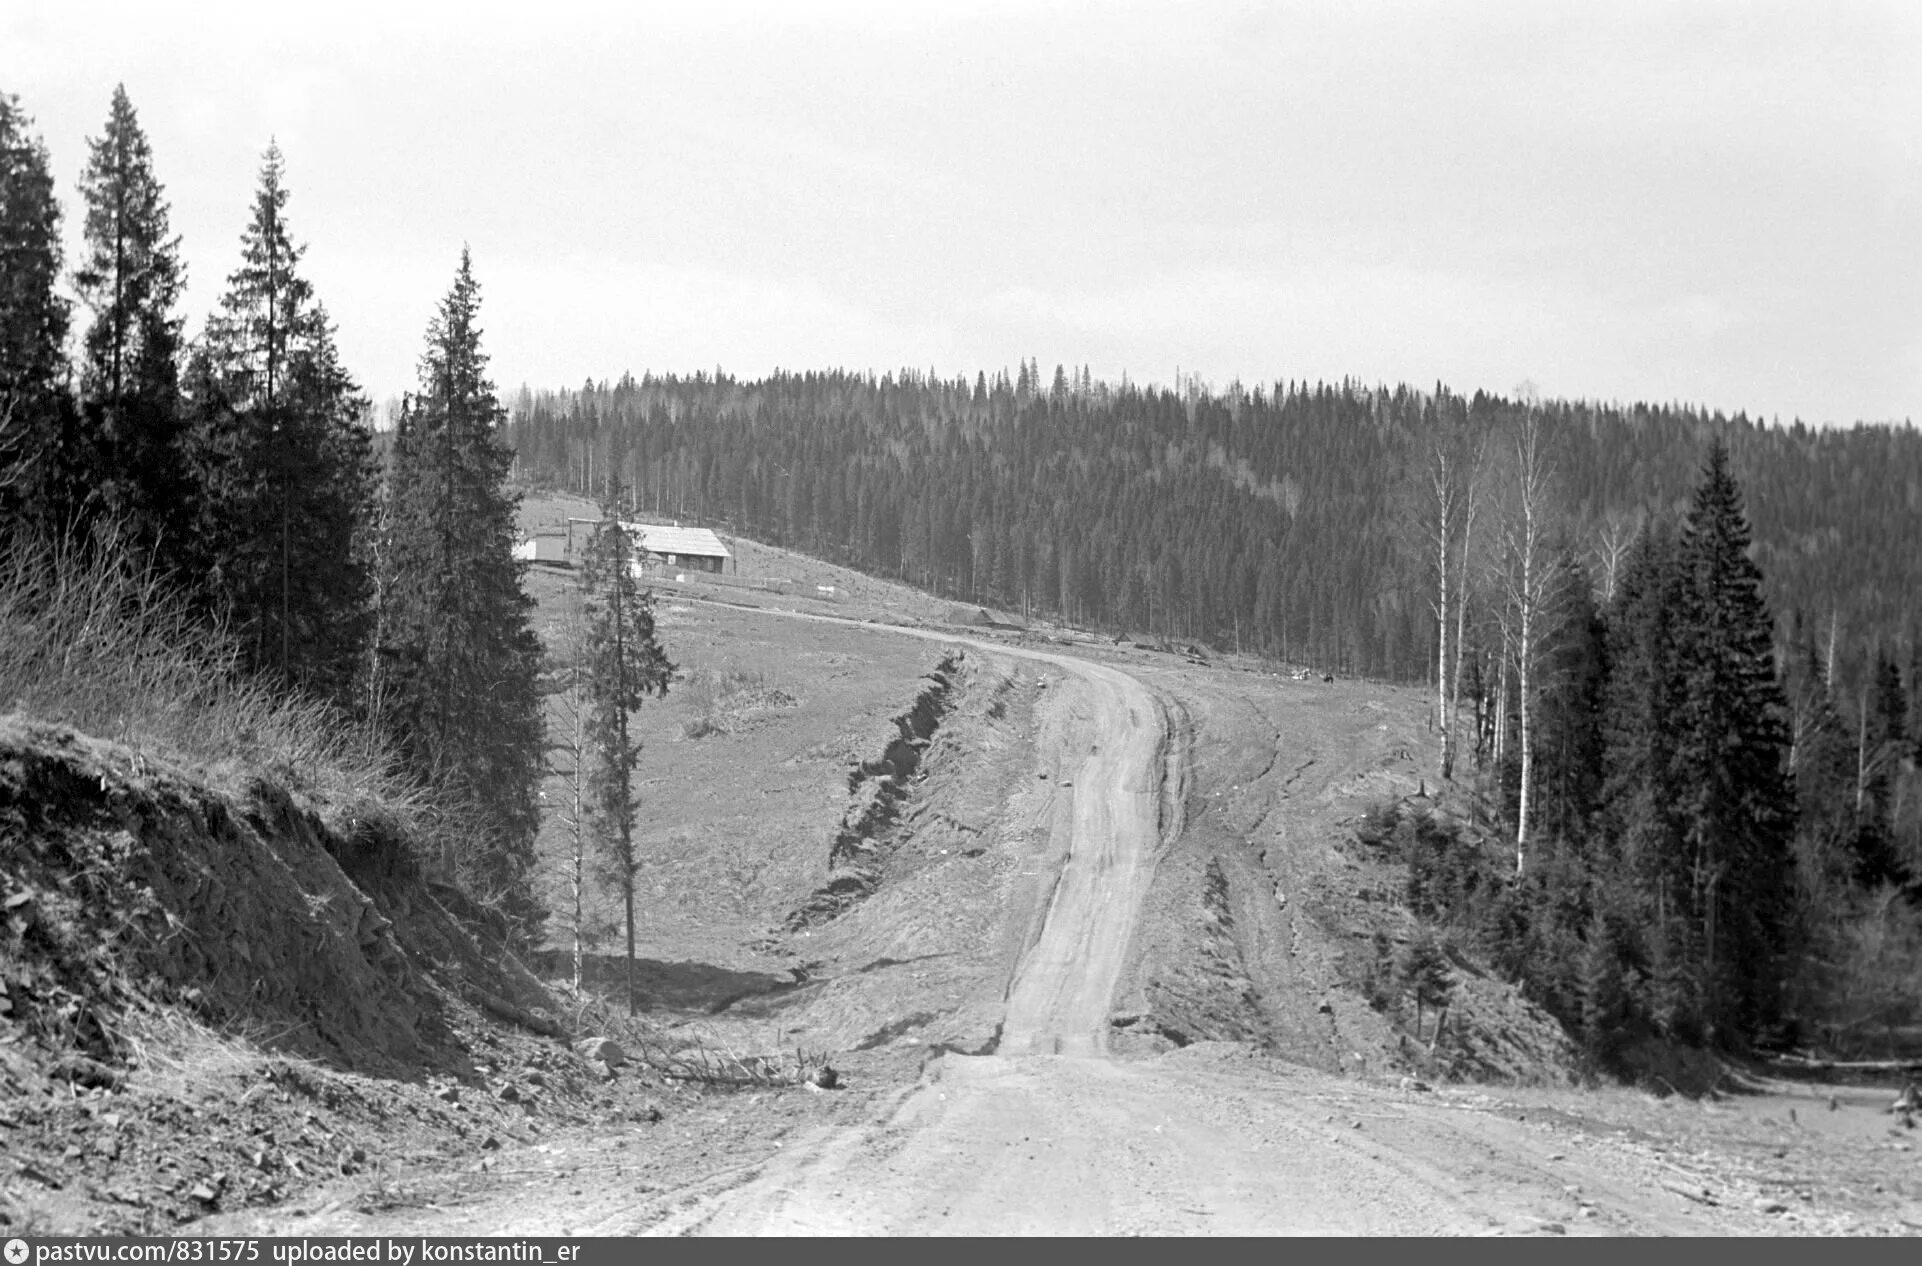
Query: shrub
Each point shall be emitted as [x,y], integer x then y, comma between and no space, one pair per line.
[92,636]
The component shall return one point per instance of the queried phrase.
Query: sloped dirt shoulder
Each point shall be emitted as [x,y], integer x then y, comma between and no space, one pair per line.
[129,887]
[879,788]
[952,877]
[201,1009]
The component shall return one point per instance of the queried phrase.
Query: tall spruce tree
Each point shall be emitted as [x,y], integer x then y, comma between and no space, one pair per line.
[35,411]
[130,277]
[1732,765]
[1882,745]
[1825,779]
[1569,735]
[1641,792]
[283,465]
[1824,769]
[625,664]
[459,656]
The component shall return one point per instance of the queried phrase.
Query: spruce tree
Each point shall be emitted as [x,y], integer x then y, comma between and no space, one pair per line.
[1422,973]
[1732,766]
[1606,1013]
[283,467]
[1824,770]
[625,664]
[1882,744]
[1569,736]
[1643,691]
[130,276]
[1825,781]
[1914,725]
[460,660]
[35,422]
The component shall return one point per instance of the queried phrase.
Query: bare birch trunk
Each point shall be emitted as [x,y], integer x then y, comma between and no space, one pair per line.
[1501,701]
[1470,495]
[1525,703]
[1441,477]
[1527,573]
[578,826]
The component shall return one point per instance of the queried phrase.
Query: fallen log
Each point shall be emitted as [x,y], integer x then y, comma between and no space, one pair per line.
[501,1009]
[1810,1064]
[1699,1194]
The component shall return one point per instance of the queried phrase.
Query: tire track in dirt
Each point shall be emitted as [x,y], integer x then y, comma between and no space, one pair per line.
[1065,985]
[1128,795]
[1050,1136]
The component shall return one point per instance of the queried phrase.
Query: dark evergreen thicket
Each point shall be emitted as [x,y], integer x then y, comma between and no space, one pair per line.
[240,470]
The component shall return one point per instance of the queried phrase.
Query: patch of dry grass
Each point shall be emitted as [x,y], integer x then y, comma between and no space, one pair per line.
[175,1055]
[97,639]
[724,700]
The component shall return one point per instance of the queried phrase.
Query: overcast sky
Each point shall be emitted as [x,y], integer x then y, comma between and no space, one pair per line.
[1710,203]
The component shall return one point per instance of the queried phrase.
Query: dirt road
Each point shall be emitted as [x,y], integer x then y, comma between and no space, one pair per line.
[1060,1001]
[1049,1136]
[1053,1134]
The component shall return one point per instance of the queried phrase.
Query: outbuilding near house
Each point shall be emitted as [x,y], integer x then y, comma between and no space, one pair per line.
[542,549]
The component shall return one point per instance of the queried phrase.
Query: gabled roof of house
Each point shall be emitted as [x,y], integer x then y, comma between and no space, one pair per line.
[661,539]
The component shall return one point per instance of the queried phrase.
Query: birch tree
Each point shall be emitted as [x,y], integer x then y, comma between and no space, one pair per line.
[1455,459]
[1526,575]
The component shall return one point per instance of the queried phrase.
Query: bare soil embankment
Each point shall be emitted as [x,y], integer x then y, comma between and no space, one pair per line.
[216,1000]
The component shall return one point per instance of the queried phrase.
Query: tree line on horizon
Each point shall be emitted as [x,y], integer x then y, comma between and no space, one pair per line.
[1283,520]
[240,468]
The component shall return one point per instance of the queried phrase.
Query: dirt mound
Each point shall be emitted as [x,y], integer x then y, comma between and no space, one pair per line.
[129,887]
